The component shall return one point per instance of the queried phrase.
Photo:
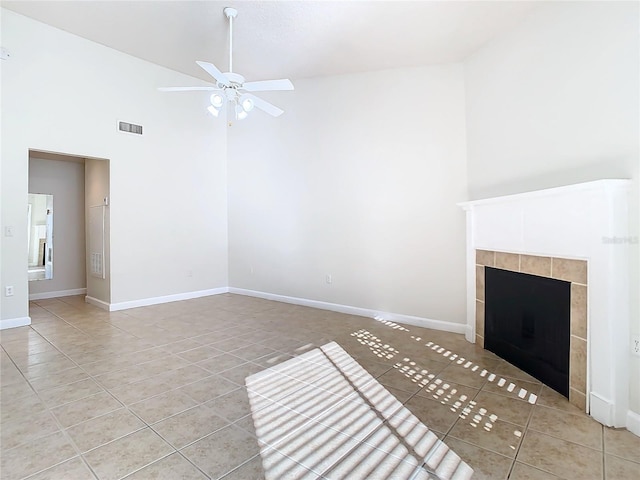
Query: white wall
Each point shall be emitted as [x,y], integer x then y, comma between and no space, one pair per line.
[555,102]
[359,179]
[163,184]
[65,181]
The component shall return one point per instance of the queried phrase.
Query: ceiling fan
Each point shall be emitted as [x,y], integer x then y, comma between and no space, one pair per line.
[230,87]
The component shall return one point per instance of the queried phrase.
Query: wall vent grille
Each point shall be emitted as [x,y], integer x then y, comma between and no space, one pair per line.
[130,128]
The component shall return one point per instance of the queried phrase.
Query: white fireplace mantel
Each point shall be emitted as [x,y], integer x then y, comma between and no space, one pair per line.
[586,221]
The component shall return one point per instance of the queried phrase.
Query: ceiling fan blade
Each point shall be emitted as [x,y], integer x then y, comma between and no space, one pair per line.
[264,105]
[212,70]
[186,89]
[268,85]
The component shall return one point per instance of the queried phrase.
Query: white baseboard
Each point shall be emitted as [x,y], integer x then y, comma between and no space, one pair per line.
[469,333]
[633,422]
[145,302]
[61,293]
[97,303]
[362,312]
[601,409]
[15,322]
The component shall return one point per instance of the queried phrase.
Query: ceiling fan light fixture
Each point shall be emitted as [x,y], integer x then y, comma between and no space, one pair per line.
[247,103]
[217,100]
[213,111]
[240,113]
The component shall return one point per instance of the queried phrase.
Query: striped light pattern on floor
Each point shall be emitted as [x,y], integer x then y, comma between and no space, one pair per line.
[321,415]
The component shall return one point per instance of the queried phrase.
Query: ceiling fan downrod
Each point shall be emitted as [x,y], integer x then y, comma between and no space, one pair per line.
[231,13]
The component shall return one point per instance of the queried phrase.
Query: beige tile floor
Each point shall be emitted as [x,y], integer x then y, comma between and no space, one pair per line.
[159,392]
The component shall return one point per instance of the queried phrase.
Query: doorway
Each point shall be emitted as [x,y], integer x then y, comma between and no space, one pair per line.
[74,185]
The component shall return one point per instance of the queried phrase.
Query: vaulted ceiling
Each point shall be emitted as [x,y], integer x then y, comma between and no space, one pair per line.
[294,39]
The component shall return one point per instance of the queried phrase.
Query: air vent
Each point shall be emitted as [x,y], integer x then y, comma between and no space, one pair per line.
[130,128]
[96,265]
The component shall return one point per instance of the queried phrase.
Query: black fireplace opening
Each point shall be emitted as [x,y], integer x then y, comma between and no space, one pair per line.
[527,323]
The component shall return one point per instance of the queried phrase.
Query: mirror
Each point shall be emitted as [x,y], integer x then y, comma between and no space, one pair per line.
[40,235]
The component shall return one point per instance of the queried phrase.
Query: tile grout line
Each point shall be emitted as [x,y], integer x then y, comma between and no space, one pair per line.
[239,466]
[191,442]
[558,438]
[524,433]
[569,414]
[196,466]
[604,466]
[146,465]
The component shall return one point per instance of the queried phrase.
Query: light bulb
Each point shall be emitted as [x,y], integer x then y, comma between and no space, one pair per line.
[247,104]
[216,99]
[213,111]
[240,113]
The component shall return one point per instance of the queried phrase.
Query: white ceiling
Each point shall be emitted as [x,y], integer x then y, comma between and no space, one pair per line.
[294,39]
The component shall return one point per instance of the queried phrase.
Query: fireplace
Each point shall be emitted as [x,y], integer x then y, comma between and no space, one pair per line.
[570,276]
[560,234]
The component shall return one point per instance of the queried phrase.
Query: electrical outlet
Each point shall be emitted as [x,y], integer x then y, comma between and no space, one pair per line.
[8,291]
[635,345]
[328,278]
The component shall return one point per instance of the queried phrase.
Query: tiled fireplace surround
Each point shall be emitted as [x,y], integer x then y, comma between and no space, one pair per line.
[569,270]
